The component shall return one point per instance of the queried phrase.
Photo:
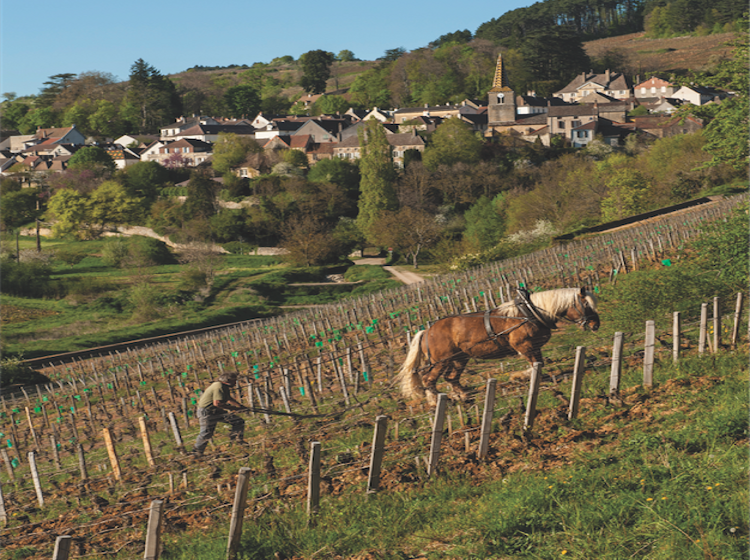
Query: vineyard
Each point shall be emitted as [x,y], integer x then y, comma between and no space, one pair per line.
[98,454]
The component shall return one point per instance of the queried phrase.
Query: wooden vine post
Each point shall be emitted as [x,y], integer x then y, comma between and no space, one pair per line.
[536,374]
[437,434]
[35,477]
[82,462]
[489,409]
[153,531]
[575,389]
[146,441]
[176,432]
[112,452]
[716,325]
[3,513]
[702,336]
[648,354]
[313,483]
[737,316]
[676,334]
[376,457]
[238,513]
[62,548]
[616,371]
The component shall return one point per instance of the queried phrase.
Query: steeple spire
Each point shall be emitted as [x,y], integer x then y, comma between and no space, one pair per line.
[500,83]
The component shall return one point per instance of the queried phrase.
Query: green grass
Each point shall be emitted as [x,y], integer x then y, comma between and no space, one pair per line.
[100,303]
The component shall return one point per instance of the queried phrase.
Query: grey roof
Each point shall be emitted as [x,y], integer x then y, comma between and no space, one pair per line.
[608,80]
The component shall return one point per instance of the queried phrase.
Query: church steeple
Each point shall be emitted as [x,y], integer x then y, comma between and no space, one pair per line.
[501,106]
[500,83]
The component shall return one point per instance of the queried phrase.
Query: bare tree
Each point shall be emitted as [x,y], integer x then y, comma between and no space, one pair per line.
[408,230]
[309,241]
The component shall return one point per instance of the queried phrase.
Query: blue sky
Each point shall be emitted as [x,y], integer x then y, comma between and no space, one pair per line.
[46,37]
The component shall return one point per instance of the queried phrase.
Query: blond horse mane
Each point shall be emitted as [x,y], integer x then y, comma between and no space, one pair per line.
[551,303]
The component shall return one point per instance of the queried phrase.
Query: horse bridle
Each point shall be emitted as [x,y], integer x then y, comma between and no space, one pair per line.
[583,308]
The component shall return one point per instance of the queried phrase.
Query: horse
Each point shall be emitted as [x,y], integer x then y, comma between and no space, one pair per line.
[520,326]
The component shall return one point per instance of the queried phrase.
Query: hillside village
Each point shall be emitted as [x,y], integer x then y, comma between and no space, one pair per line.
[591,105]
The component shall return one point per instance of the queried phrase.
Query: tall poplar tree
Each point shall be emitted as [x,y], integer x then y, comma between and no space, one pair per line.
[377,192]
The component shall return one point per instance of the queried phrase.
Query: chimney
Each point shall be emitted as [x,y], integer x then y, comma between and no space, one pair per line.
[607,75]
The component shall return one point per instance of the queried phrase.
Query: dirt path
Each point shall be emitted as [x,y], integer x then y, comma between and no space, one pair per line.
[404,276]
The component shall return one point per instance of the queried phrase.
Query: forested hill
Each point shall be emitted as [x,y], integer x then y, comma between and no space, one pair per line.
[594,19]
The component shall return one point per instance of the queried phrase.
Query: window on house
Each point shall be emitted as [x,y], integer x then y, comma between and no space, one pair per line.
[575,124]
[561,124]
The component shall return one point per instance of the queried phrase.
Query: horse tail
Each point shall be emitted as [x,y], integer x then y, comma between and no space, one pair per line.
[408,376]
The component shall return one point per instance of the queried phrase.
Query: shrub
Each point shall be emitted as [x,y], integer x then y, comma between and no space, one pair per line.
[150,251]
[722,246]
[14,372]
[27,279]
[115,251]
[655,293]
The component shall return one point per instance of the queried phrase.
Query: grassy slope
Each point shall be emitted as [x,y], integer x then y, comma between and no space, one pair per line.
[100,308]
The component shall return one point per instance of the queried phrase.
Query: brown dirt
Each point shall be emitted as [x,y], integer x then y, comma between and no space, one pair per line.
[679,54]
[118,519]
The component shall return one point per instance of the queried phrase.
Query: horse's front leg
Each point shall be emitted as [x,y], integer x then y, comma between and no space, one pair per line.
[531,349]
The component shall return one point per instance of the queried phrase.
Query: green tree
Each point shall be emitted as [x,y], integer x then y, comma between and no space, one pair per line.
[316,69]
[44,117]
[55,85]
[627,189]
[68,210]
[144,179]
[91,157]
[110,206]
[346,56]
[105,120]
[18,208]
[151,98]
[726,133]
[377,176]
[552,56]
[78,115]
[330,105]
[201,196]
[371,89]
[296,158]
[392,54]
[11,114]
[349,237]
[451,143]
[242,101]
[339,171]
[230,150]
[484,223]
